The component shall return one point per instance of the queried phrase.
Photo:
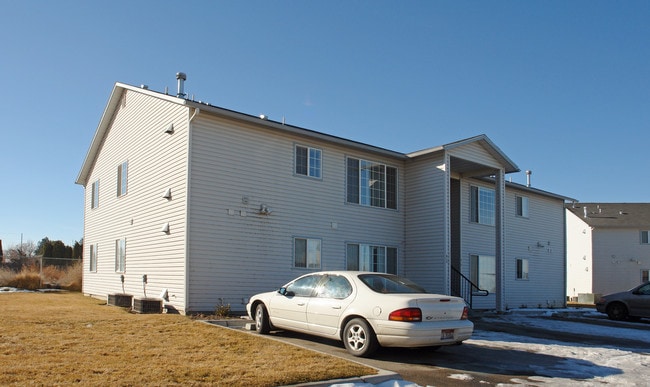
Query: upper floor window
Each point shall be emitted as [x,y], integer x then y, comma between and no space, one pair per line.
[371,184]
[522,206]
[522,268]
[308,161]
[93,257]
[306,253]
[645,237]
[120,255]
[361,257]
[94,198]
[122,178]
[482,205]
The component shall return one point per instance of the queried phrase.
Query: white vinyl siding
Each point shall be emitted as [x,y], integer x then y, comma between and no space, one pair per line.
[157,161]
[228,235]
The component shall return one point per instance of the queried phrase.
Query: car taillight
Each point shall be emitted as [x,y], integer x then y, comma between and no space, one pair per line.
[465,315]
[408,314]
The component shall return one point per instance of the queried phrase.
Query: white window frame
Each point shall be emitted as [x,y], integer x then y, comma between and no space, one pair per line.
[310,253]
[120,255]
[122,178]
[522,269]
[482,205]
[521,206]
[94,195]
[483,272]
[369,257]
[644,237]
[313,162]
[370,184]
[92,259]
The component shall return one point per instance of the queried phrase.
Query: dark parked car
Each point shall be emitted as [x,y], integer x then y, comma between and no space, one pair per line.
[634,303]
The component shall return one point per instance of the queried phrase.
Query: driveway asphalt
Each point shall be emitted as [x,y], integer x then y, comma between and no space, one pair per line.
[427,367]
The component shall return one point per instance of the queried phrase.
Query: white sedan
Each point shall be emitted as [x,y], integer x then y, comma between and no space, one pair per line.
[364,310]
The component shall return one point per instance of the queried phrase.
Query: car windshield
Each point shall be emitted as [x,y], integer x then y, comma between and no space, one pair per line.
[390,284]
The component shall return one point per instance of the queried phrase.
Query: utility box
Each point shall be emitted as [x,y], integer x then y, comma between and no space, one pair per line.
[588,298]
[120,299]
[147,305]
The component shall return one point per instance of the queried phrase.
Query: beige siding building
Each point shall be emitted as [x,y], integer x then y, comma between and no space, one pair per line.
[608,248]
[211,206]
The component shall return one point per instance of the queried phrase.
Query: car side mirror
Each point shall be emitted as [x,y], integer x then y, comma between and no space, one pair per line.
[286,293]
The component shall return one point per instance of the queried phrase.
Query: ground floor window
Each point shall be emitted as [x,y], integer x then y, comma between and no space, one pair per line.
[306,253]
[483,272]
[120,255]
[93,257]
[364,257]
[644,275]
[522,268]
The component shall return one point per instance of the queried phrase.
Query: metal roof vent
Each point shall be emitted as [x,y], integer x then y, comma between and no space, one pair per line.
[181,78]
[528,173]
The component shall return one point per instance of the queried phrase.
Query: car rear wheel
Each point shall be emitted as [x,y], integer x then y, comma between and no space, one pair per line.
[262,324]
[359,338]
[617,311]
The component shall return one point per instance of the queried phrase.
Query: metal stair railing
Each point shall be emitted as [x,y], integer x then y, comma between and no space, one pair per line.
[463,287]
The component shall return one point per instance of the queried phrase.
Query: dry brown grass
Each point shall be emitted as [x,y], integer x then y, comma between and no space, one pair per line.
[31,277]
[66,338]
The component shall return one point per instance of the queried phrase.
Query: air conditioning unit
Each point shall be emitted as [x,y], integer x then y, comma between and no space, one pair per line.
[120,299]
[147,305]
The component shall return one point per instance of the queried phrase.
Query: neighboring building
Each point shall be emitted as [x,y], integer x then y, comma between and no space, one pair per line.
[608,248]
[214,205]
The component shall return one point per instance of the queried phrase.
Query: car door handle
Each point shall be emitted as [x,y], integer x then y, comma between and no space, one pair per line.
[301,304]
[336,307]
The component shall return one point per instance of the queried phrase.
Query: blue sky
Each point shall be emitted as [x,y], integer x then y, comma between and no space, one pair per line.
[563,88]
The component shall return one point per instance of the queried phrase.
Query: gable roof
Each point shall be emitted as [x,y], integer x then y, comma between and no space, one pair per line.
[614,215]
[483,140]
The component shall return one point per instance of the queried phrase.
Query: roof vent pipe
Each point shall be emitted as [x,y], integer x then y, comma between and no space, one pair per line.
[528,173]
[181,77]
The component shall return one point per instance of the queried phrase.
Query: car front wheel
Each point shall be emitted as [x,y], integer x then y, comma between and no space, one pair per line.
[617,311]
[262,324]
[359,338]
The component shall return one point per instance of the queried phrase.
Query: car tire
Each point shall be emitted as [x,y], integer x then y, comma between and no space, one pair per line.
[359,338]
[262,324]
[617,311]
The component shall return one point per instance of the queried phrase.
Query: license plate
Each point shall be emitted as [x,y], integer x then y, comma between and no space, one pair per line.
[447,334]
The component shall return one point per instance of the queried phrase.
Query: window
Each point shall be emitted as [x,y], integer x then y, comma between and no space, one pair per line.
[522,268]
[306,253]
[121,178]
[371,184]
[522,206]
[483,272]
[94,198]
[644,237]
[304,286]
[482,205]
[644,275]
[335,286]
[120,255]
[93,257]
[308,161]
[380,259]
